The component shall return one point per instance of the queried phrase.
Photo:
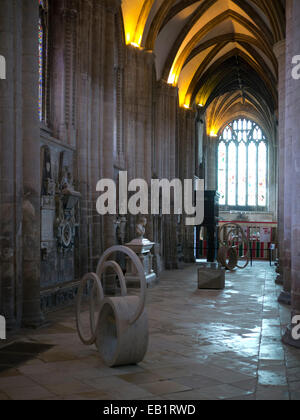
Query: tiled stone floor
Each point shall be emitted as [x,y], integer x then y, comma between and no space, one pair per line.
[204,345]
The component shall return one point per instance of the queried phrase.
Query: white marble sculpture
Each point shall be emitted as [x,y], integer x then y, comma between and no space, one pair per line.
[142,247]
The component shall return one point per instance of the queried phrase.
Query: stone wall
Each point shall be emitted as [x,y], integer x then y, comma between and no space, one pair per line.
[105,113]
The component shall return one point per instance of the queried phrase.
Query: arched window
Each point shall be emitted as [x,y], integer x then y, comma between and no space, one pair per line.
[242,166]
[43,58]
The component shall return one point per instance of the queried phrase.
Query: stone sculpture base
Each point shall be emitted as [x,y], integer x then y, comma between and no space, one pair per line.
[211,276]
[142,248]
[289,340]
[285,298]
[115,335]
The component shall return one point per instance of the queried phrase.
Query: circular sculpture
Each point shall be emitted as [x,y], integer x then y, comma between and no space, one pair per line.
[228,257]
[120,330]
[230,242]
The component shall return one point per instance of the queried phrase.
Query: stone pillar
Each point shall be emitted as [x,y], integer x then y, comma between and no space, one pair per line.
[285,296]
[109,115]
[11,164]
[292,134]
[164,144]
[187,170]
[83,96]
[138,118]
[211,182]
[295,154]
[95,161]
[164,165]
[31,167]
[280,52]
[63,69]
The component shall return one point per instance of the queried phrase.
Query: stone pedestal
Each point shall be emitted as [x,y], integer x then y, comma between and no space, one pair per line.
[285,298]
[142,248]
[288,339]
[211,276]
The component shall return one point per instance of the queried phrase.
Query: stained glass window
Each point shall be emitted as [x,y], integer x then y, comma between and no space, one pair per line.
[243,166]
[231,174]
[43,58]
[222,172]
[242,171]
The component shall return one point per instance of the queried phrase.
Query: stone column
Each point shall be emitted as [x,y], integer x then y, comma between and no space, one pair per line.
[84,106]
[138,118]
[187,170]
[285,296]
[211,164]
[164,165]
[11,164]
[95,161]
[295,252]
[31,167]
[109,114]
[280,52]
[63,69]
[293,127]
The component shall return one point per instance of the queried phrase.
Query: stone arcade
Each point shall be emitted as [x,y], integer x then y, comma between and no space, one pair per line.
[161,89]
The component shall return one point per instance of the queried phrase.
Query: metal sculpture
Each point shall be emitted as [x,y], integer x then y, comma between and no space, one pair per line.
[121,329]
[230,241]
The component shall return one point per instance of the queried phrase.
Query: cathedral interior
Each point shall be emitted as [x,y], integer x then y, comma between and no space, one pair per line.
[160,90]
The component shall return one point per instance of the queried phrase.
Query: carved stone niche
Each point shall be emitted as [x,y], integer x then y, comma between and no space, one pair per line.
[67,201]
[48,207]
[59,202]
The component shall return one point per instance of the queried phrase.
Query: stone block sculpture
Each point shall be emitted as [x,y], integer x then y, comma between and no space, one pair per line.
[211,276]
[120,331]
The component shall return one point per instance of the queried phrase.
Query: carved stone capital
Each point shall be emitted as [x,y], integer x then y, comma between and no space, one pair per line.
[279,49]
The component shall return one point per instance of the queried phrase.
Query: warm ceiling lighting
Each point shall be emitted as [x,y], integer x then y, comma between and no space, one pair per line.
[171,80]
[213,134]
[186,106]
[138,42]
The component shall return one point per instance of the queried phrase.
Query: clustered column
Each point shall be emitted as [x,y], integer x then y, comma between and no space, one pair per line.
[32,315]
[293,155]
[283,180]
[11,164]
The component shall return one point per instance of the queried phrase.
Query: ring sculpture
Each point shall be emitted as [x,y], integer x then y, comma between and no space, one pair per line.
[228,255]
[120,331]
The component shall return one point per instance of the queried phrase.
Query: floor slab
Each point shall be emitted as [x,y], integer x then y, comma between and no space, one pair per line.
[204,344]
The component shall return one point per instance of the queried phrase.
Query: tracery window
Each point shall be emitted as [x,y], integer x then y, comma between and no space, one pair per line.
[43,58]
[243,166]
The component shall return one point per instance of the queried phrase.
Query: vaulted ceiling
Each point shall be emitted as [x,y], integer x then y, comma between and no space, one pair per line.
[218,52]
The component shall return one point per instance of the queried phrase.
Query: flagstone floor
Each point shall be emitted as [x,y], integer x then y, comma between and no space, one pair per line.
[204,345]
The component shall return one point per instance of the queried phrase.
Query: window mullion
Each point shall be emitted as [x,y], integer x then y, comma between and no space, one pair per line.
[227,184]
[257,164]
[237,175]
[247,173]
